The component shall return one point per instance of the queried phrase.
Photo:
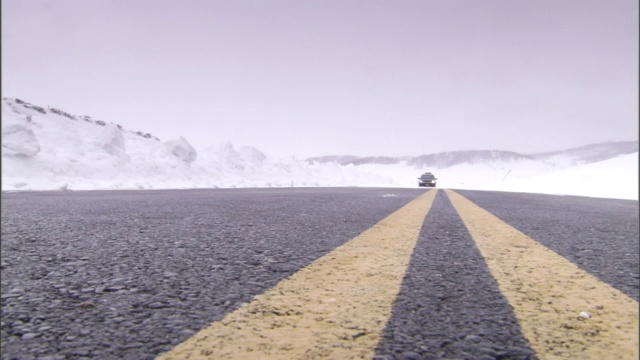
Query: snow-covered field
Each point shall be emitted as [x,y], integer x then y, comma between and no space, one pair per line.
[614,178]
[49,151]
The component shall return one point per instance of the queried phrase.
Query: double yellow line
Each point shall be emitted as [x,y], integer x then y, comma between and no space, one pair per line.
[338,306]
[548,293]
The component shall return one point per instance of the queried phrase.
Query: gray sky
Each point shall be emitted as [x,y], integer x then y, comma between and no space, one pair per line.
[307,78]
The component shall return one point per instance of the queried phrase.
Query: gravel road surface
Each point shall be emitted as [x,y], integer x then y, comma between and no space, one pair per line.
[131,274]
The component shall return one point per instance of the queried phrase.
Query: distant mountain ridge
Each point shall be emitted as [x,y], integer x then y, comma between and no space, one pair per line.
[592,153]
[574,156]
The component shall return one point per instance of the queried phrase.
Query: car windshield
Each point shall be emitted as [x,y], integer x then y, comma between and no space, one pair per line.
[427,176]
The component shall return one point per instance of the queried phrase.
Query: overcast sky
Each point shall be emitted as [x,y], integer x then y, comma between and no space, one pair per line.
[308,78]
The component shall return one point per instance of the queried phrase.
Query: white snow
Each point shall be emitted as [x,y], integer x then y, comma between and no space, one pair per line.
[19,140]
[112,141]
[56,152]
[181,149]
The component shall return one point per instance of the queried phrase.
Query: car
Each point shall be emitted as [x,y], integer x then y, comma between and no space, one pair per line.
[427,179]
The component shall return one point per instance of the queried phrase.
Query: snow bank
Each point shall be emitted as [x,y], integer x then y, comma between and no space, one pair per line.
[19,140]
[112,141]
[43,150]
[615,178]
[181,149]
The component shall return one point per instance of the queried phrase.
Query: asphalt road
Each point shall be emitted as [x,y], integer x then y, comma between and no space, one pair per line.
[132,274]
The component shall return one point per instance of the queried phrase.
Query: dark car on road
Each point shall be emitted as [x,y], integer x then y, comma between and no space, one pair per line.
[427,179]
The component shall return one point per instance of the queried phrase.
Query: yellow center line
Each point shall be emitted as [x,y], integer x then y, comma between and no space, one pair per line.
[336,307]
[548,293]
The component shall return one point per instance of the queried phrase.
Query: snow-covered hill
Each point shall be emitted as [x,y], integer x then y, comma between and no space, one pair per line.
[51,149]
[563,158]
[588,154]
[48,149]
